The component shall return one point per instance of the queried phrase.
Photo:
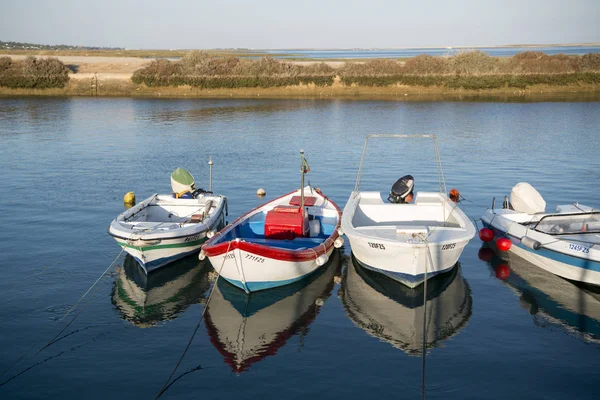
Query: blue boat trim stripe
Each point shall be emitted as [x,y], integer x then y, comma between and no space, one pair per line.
[572,260]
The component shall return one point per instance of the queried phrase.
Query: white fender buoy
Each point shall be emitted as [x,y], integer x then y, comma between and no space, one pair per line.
[322,259]
[531,243]
[340,231]
[210,234]
[202,256]
[261,192]
[339,242]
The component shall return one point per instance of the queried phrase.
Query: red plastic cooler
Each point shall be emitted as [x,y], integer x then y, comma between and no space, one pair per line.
[285,222]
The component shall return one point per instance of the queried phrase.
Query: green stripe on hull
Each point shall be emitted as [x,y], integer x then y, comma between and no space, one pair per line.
[164,246]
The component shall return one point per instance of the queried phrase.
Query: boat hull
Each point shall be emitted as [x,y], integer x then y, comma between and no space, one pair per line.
[247,258]
[154,248]
[557,256]
[252,271]
[409,265]
[409,251]
[154,256]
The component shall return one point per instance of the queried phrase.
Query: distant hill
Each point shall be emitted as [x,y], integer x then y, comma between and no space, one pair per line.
[33,46]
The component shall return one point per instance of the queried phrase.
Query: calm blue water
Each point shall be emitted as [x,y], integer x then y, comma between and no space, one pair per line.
[67,162]
[406,53]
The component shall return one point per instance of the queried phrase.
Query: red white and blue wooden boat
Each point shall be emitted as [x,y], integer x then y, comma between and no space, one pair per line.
[277,243]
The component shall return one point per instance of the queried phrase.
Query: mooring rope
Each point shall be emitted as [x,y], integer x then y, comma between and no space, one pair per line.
[425,327]
[166,385]
[53,340]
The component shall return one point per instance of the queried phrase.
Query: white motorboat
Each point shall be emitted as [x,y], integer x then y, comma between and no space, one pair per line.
[407,242]
[565,243]
[166,227]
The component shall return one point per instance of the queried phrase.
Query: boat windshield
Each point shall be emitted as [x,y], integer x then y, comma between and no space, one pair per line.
[560,224]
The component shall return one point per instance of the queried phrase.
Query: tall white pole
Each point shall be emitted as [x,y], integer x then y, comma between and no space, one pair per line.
[210,164]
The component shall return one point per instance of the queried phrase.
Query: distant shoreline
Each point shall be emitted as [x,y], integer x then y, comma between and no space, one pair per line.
[502,46]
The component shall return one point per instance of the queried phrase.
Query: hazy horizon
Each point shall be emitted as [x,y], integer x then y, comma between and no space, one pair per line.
[271,24]
[592,44]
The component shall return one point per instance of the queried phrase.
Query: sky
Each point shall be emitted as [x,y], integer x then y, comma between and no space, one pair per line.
[283,24]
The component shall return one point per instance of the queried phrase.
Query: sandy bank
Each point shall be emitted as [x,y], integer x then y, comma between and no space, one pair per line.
[117,68]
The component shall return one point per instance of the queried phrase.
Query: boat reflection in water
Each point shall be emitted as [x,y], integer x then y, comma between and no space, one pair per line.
[549,298]
[247,328]
[145,300]
[394,313]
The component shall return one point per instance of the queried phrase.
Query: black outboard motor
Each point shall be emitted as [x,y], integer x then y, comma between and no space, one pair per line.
[402,188]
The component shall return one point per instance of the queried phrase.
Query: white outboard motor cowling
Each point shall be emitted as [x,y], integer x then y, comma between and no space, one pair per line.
[182,181]
[524,198]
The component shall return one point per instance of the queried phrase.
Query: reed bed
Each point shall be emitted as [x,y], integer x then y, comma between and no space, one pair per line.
[199,69]
[467,70]
[473,70]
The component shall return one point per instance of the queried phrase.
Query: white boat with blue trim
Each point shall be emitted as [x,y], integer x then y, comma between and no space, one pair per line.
[565,243]
[166,227]
[406,242]
[279,242]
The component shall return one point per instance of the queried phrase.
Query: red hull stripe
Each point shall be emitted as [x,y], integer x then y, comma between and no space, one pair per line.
[274,253]
[212,250]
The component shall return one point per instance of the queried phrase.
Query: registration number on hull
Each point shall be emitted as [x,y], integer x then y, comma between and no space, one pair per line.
[255,258]
[578,247]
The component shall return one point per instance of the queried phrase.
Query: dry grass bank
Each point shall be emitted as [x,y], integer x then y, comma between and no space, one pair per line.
[114,80]
[126,88]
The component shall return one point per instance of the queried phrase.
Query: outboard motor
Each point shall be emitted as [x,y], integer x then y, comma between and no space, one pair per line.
[182,183]
[401,189]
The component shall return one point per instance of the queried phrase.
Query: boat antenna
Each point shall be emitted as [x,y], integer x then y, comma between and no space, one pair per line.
[302,172]
[438,164]
[210,164]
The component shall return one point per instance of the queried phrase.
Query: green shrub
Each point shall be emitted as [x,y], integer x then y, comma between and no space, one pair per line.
[426,65]
[319,69]
[5,63]
[33,72]
[475,82]
[199,69]
[371,68]
[590,62]
[472,63]
[468,70]
[532,62]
